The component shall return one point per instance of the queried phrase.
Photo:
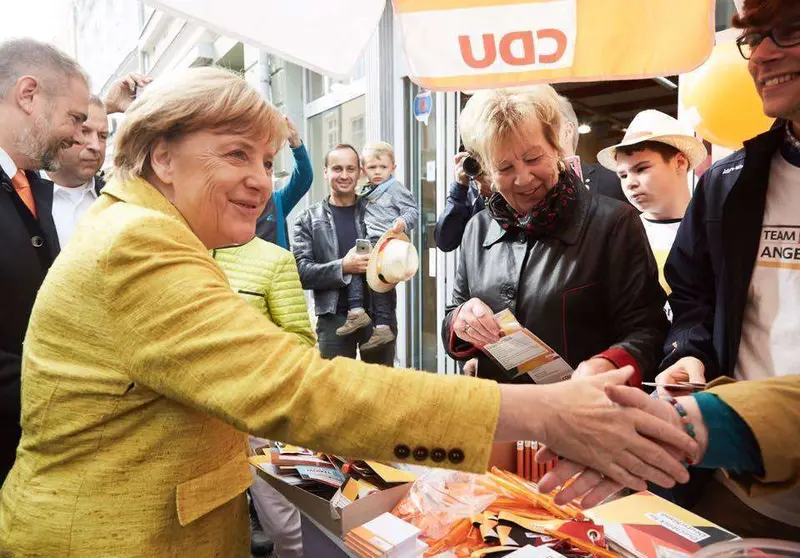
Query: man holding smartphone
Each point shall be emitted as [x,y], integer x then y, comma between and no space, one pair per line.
[329,246]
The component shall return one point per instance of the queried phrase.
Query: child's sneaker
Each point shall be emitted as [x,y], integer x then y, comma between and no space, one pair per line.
[381,335]
[356,319]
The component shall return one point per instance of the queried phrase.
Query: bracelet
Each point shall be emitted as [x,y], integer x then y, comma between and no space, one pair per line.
[688,426]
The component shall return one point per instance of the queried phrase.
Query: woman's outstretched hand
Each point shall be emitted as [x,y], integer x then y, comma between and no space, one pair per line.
[577,421]
[590,485]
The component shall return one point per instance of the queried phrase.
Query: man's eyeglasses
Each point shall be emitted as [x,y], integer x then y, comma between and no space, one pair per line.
[784,36]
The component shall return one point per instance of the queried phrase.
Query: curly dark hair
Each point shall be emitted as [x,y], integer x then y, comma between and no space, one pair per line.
[764,13]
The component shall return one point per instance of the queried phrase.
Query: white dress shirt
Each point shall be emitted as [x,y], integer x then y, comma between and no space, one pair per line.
[69,206]
[7,164]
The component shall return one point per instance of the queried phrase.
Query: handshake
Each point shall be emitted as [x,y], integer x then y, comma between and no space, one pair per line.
[610,436]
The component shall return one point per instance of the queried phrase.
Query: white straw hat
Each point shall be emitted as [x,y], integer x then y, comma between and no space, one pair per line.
[393,260]
[653,125]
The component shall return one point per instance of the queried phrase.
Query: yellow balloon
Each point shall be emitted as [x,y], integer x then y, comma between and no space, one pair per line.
[720,101]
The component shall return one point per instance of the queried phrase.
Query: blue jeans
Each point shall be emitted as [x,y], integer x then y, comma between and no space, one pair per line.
[332,345]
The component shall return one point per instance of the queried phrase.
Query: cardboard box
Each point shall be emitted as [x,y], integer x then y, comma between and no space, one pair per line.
[338,522]
[504,456]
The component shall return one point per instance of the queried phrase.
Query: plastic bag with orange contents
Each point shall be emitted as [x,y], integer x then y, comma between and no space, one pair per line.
[439,499]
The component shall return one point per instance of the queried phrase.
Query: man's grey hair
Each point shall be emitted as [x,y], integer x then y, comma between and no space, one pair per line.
[53,68]
[568,114]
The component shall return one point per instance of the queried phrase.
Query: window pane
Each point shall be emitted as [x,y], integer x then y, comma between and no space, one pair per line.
[342,124]
[319,86]
[316,85]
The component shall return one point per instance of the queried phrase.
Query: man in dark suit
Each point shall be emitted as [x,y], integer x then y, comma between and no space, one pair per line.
[44,96]
[597,178]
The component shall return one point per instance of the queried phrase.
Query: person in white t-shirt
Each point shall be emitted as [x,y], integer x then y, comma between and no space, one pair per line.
[735,266]
[652,162]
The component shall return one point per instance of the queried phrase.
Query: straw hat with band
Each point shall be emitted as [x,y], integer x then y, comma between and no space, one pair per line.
[653,125]
[393,260]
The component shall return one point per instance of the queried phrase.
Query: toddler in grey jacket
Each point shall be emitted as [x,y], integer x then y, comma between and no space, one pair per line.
[389,205]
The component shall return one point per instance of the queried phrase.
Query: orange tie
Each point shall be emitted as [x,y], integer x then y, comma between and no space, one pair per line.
[23,188]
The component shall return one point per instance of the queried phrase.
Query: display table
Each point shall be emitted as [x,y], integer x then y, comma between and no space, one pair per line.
[319,541]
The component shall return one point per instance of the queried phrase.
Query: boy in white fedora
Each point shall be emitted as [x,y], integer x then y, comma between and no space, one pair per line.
[652,162]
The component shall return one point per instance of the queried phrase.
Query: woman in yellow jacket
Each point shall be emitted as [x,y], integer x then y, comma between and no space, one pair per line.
[142,369]
[265,275]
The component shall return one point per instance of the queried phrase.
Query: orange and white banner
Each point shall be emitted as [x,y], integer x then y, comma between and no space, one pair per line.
[476,44]
[483,43]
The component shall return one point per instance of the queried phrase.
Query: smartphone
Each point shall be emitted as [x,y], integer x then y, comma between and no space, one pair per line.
[363,247]
[680,386]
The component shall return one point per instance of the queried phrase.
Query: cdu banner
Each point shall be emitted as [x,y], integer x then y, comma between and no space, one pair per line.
[479,44]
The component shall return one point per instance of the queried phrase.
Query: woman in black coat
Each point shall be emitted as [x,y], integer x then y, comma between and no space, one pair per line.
[574,268]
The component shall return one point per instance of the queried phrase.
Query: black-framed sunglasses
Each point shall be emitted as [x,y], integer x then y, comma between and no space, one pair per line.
[784,36]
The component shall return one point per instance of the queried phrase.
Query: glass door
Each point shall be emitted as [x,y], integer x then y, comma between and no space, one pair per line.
[421,170]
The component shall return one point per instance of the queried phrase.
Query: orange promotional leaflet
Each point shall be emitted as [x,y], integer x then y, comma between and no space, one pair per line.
[521,352]
[476,515]
[647,526]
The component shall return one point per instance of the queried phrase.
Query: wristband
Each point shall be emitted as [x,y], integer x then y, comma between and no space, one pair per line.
[687,424]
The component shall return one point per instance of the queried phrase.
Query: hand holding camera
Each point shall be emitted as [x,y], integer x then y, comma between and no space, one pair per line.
[468,167]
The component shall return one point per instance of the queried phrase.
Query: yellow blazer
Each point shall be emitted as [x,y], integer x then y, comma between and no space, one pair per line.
[142,370]
[771,408]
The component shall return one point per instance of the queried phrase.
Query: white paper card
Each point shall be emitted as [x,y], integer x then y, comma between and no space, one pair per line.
[535,552]
[515,349]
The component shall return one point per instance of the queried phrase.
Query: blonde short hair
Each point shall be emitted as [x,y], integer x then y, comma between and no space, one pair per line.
[378,149]
[198,99]
[493,117]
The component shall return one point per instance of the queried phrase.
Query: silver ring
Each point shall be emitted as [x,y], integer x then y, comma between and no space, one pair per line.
[466,327]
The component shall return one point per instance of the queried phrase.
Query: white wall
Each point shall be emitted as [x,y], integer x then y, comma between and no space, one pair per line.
[107,32]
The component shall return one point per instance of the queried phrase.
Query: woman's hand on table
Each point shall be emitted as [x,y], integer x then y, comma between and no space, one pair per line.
[590,484]
[475,323]
[577,421]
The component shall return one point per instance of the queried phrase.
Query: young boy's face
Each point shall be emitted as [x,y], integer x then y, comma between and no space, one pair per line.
[378,168]
[650,182]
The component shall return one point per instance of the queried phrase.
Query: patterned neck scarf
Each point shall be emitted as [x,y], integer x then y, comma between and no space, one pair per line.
[790,149]
[550,214]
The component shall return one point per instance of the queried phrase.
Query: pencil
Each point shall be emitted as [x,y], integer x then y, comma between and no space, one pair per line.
[527,473]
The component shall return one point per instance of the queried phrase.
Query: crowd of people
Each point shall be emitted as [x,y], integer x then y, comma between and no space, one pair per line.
[155,326]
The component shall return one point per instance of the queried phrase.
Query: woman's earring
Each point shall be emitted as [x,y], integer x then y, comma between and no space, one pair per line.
[562,166]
